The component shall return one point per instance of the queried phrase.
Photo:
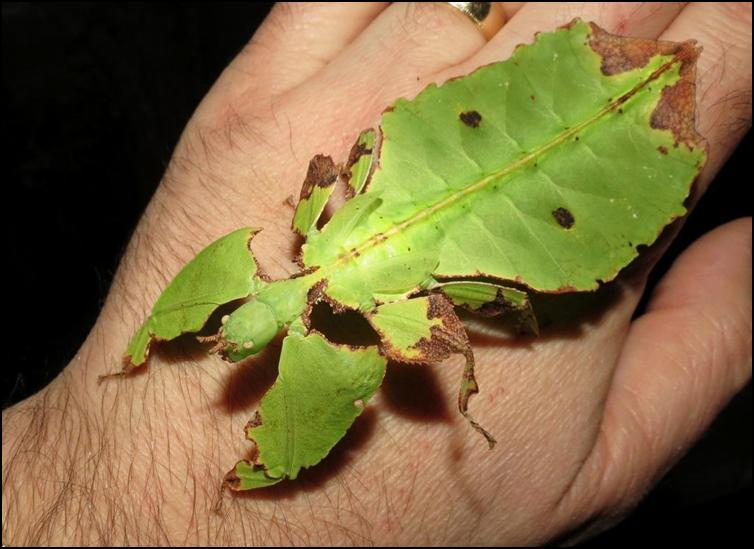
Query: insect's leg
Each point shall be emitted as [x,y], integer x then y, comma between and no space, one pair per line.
[321,388]
[362,161]
[489,299]
[319,184]
[427,330]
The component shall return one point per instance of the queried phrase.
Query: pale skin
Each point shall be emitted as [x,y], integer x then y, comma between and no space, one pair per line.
[587,418]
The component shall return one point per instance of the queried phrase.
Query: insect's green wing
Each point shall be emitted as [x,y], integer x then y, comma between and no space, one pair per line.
[221,273]
[321,388]
[549,168]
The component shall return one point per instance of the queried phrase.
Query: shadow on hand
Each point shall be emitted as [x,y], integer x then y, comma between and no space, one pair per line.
[412,391]
[560,316]
[250,379]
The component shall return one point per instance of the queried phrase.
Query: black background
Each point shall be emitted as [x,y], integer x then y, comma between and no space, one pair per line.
[94,99]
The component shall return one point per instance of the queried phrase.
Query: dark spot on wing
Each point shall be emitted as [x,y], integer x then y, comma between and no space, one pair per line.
[471,118]
[564,218]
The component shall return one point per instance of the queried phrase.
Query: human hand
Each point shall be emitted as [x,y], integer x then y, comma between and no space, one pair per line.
[544,402]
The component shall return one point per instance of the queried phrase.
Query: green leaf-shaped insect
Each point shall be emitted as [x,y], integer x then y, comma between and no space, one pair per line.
[547,170]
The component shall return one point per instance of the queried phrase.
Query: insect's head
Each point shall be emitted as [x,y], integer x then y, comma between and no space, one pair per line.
[249,329]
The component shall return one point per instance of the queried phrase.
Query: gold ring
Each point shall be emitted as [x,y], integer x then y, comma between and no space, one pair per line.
[488,16]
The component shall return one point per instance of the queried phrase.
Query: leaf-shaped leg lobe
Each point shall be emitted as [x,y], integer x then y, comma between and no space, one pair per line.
[362,161]
[321,177]
[427,330]
[320,390]
[222,272]
[490,299]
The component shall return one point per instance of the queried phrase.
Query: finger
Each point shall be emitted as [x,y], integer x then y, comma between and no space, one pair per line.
[723,73]
[295,41]
[682,361]
[298,38]
[407,40]
[423,36]
[640,19]
[511,8]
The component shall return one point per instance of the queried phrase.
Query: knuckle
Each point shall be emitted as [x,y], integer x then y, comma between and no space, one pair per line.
[283,15]
[220,140]
[427,17]
[287,16]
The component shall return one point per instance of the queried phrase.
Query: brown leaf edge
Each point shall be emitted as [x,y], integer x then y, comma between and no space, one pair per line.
[676,110]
